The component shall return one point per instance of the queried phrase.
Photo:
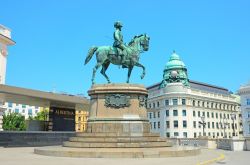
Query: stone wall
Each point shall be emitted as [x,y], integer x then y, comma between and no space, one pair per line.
[197,142]
[32,139]
[247,144]
[232,144]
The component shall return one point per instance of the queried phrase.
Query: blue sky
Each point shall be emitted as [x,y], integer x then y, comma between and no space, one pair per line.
[53,37]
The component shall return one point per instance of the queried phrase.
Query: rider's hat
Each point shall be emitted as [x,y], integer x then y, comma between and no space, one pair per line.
[117,24]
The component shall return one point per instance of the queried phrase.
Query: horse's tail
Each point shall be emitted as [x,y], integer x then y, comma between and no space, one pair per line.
[91,52]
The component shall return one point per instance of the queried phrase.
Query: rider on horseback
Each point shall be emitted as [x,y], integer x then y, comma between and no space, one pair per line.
[118,43]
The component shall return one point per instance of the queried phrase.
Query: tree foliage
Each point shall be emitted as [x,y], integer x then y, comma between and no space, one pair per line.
[14,122]
[42,115]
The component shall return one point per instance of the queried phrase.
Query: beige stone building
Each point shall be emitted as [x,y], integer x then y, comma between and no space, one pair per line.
[178,106]
[81,118]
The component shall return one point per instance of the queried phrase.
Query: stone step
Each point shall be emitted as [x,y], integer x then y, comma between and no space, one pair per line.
[116,145]
[118,152]
[87,134]
[117,139]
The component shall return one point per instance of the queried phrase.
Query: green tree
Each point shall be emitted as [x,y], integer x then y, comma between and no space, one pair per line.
[14,122]
[42,115]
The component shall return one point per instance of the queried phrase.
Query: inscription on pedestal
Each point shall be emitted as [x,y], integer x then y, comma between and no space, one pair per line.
[117,100]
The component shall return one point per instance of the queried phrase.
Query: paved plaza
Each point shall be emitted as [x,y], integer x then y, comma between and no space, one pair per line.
[25,156]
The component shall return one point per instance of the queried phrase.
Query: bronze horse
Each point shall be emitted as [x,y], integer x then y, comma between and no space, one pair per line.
[108,54]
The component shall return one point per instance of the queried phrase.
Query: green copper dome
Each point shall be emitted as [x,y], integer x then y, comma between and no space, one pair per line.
[174,62]
[175,71]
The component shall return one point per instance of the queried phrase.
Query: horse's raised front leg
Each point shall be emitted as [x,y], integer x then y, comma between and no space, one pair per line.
[94,71]
[103,71]
[141,66]
[129,73]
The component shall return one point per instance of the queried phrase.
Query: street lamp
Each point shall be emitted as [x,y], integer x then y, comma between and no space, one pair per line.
[233,117]
[203,123]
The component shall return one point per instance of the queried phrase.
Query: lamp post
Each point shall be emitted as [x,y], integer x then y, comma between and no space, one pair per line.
[233,117]
[203,123]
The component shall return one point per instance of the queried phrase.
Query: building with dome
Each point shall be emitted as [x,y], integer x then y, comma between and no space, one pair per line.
[179,107]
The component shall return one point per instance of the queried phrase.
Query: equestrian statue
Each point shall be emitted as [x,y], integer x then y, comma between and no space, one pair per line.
[121,54]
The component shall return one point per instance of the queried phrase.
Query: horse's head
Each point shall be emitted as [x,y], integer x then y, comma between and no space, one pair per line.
[142,40]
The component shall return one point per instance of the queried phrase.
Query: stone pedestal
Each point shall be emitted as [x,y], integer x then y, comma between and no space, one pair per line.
[119,108]
[118,127]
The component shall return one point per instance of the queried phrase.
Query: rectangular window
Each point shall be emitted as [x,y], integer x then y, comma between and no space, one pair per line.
[203,114]
[175,123]
[193,113]
[154,115]
[175,101]
[208,124]
[220,116]
[158,103]
[167,112]
[168,134]
[16,110]
[216,115]
[227,116]
[159,124]
[30,112]
[183,101]
[194,124]
[184,112]
[248,114]
[248,101]
[23,106]
[167,124]
[193,102]
[195,135]
[175,112]
[212,115]
[154,125]
[199,114]
[150,115]
[9,104]
[166,102]
[184,124]
[176,134]
[153,105]
[158,114]
[212,124]
[208,115]
[185,134]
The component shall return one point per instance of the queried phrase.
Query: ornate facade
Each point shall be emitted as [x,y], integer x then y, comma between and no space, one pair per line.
[177,106]
[81,120]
